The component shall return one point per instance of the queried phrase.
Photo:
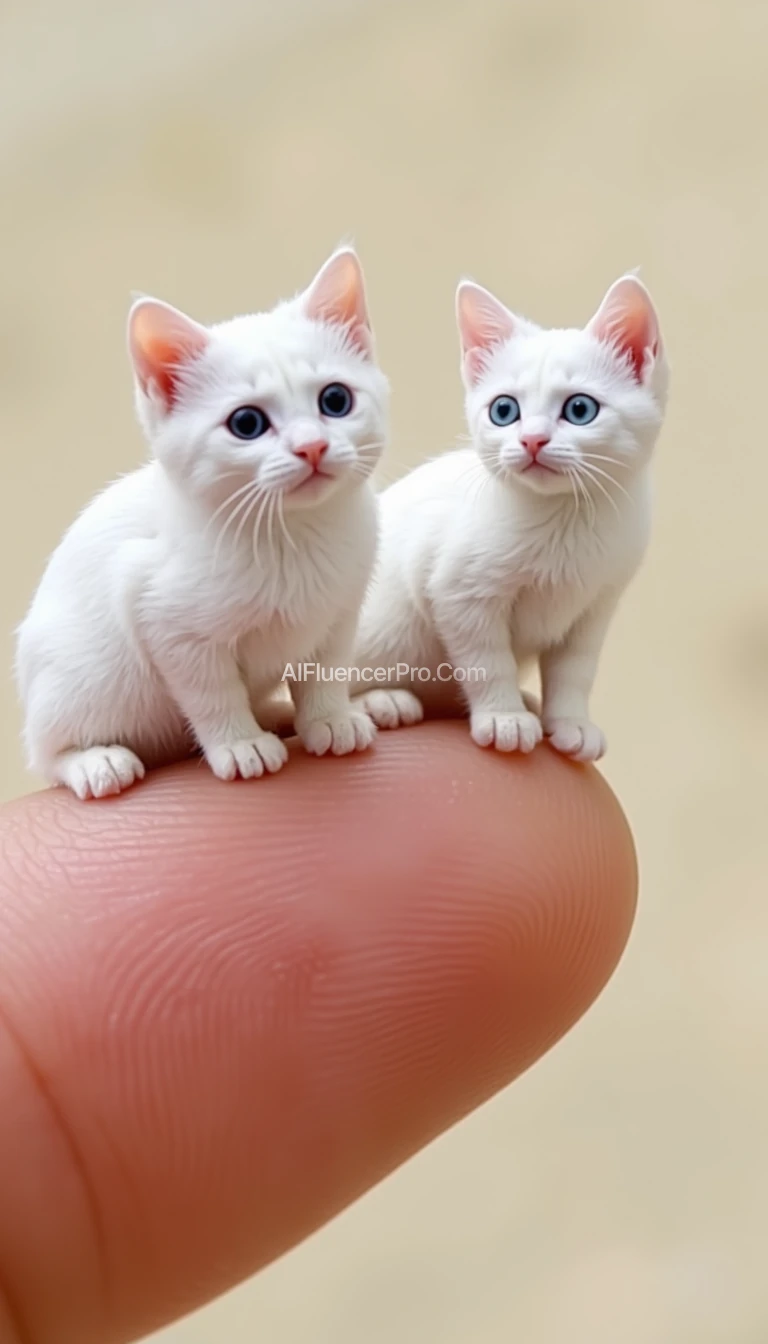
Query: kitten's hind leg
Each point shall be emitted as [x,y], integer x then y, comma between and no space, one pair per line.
[391,708]
[96,772]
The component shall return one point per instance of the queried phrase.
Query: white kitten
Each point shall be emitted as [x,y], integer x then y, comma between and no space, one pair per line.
[519,549]
[172,606]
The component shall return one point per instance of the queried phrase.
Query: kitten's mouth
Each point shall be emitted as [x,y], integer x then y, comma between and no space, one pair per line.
[535,466]
[315,481]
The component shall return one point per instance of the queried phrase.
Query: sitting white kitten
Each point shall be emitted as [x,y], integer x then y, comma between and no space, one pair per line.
[172,606]
[520,549]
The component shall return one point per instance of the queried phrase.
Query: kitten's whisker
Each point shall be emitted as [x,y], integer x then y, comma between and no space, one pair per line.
[263,505]
[588,500]
[243,503]
[373,452]
[578,467]
[600,457]
[587,472]
[244,520]
[479,481]
[283,524]
[270,523]
[471,469]
[574,484]
[599,472]
[229,500]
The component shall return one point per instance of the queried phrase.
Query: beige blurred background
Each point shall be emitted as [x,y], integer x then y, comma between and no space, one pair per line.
[213,152]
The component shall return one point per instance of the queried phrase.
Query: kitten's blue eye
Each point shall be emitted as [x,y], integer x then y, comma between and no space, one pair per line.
[581,409]
[504,411]
[335,400]
[248,422]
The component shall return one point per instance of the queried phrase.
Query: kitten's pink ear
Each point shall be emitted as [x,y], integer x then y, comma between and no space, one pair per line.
[161,340]
[483,323]
[337,295]
[626,319]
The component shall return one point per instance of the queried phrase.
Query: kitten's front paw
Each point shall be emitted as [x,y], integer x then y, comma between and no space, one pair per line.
[578,738]
[518,731]
[341,734]
[392,709]
[248,758]
[98,772]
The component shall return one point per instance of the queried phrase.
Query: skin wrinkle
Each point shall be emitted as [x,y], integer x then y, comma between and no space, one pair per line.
[272,994]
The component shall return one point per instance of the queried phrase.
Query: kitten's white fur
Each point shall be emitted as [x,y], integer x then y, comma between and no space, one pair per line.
[487,561]
[172,606]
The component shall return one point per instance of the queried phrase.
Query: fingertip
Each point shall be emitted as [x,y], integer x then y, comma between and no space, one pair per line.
[252,1000]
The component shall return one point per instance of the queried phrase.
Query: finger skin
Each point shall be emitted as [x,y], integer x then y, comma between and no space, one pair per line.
[228,1009]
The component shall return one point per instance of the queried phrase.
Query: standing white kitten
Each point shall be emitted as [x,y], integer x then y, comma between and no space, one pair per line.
[172,606]
[519,549]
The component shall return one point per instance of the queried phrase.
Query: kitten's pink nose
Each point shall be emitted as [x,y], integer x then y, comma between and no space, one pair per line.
[535,440]
[311,452]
